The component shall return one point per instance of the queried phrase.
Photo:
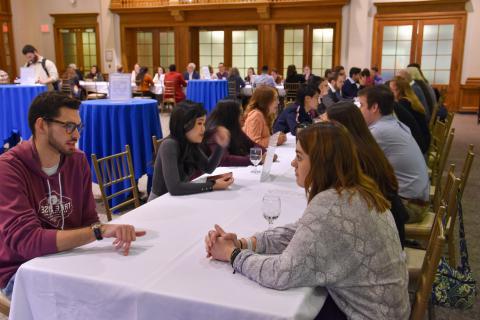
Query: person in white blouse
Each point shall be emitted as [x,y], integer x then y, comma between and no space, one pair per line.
[159,76]
[136,70]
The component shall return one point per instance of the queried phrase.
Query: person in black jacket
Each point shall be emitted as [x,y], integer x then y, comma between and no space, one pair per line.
[293,76]
[299,112]
[350,87]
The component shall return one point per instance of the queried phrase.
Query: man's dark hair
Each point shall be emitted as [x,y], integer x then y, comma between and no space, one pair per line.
[381,95]
[305,90]
[354,71]
[47,105]
[333,76]
[28,49]
[327,72]
[338,69]
[365,73]
[375,68]
[172,67]
[265,69]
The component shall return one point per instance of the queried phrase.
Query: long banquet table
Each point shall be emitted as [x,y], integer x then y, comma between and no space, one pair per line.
[166,275]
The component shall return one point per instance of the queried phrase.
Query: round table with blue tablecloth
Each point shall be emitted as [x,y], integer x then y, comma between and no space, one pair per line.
[15,101]
[110,125]
[207,92]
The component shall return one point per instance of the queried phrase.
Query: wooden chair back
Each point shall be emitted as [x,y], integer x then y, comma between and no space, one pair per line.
[113,170]
[4,305]
[439,166]
[429,267]
[467,165]
[156,145]
[169,91]
[291,91]
[439,137]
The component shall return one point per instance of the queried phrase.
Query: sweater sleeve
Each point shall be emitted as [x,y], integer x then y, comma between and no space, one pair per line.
[309,259]
[20,229]
[169,161]
[209,164]
[276,240]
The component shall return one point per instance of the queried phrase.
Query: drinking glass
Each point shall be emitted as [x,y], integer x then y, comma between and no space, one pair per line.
[271,207]
[255,157]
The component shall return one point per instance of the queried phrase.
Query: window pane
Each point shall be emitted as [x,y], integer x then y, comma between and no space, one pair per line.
[298,35]
[238,61]
[428,63]
[316,60]
[205,49]
[389,47]
[317,35]
[430,32]
[217,49]
[217,37]
[298,60]
[251,61]
[251,36]
[388,62]
[298,49]
[327,49]
[430,75]
[251,49]
[238,47]
[402,62]
[244,49]
[445,47]
[327,62]
[442,77]
[403,47]
[443,62]
[211,47]
[317,49]
[163,37]
[238,36]
[205,37]
[328,35]
[288,49]
[390,33]
[288,35]
[445,32]
[405,32]
[293,47]
[429,47]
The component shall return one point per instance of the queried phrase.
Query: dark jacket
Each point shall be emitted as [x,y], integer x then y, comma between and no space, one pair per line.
[195,75]
[405,116]
[421,121]
[349,90]
[290,118]
[295,78]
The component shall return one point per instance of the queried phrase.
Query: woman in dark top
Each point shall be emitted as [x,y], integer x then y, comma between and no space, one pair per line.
[292,116]
[94,74]
[293,76]
[234,75]
[229,114]
[372,159]
[250,75]
[407,99]
[180,156]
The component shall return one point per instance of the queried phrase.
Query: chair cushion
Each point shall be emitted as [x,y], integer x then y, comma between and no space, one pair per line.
[415,259]
[420,229]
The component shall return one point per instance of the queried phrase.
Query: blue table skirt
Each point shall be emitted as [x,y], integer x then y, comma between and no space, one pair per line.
[110,125]
[15,101]
[208,92]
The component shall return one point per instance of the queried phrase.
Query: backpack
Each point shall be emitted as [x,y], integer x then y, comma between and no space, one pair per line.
[55,84]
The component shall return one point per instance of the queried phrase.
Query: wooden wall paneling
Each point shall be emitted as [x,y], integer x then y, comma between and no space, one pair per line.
[227,51]
[469,97]
[6,18]
[184,41]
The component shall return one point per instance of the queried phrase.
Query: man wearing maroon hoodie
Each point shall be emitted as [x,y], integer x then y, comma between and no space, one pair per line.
[46,201]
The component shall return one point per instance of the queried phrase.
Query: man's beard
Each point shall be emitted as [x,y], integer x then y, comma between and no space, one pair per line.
[35,59]
[57,146]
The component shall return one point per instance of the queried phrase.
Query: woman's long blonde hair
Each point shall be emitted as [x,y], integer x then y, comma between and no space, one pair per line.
[261,100]
[405,91]
[334,164]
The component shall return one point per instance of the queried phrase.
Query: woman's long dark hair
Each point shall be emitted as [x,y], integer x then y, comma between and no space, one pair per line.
[182,120]
[371,157]
[227,113]
[141,74]
[291,71]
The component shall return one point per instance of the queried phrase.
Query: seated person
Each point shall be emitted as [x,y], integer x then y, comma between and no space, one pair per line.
[144,82]
[94,74]
[229,114]
[178,82]
[222,73]
[234,75]
[307,74]
[264,79]
[135,71]
[180,157]
[46,200]
[277,78]
[293,76]
[372,159]
[401,150]
[299,112]
[159,76]
[260,113]
[335,84]
[350,86]
[331,245]
[190,73]
[250,75]
[4,79]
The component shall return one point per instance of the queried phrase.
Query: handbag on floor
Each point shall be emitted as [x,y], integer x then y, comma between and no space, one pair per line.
[455,287]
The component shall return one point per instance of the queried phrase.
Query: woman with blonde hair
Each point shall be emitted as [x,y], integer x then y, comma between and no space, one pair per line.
[408,100]
[345,241]
[260,114]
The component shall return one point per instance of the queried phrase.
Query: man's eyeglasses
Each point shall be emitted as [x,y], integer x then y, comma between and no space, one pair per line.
[69,126]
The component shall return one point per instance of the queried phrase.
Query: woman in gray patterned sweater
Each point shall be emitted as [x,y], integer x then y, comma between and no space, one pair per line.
[346,240]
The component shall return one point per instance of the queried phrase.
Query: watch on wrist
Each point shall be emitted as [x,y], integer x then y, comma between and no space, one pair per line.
[97,230]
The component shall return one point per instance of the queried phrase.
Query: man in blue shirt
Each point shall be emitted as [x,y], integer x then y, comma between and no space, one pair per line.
[400,148]
[264,79]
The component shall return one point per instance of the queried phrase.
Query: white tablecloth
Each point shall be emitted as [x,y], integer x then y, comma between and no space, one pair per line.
[247,90]
[166,275]
[102,87]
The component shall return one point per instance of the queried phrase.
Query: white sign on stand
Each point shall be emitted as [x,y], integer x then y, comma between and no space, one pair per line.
[27,76]
[267,164]
[120,87]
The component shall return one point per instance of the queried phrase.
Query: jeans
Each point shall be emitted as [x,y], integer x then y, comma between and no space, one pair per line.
[8,290]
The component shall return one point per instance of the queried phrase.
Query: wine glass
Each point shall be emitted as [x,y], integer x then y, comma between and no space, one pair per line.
[271,207]
[255,157]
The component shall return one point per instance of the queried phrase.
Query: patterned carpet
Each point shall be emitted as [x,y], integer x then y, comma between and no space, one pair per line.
[466,132]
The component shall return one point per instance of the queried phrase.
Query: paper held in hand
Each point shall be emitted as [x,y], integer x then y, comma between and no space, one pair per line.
[27,76]
[267,164]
